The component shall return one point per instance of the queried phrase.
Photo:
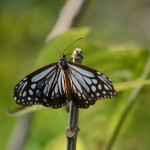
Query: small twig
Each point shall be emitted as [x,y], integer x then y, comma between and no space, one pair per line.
[72,129]
[23,110]
[130,104]
[66,18]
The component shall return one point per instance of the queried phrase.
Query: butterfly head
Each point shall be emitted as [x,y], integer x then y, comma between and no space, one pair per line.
[62,62]
[63,57]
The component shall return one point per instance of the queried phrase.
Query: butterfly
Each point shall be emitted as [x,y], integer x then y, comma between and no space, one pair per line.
[57,83]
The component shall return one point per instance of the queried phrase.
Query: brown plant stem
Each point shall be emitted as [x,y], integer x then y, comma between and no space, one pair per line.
[72,129]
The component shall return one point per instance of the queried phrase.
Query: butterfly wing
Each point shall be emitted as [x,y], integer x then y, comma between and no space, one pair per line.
[44,86]
[88,85]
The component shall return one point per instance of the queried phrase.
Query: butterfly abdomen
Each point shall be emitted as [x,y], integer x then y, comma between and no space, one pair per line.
[67,87]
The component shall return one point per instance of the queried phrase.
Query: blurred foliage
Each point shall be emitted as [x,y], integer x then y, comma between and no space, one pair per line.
[114,43]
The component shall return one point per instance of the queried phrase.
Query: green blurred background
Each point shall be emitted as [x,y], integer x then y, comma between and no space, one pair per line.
[116,37]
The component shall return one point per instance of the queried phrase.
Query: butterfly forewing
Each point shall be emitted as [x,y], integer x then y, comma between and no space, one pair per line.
[43,86]
[88,85]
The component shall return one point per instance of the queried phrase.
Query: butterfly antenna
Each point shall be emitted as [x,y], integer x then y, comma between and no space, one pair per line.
[56,49]
[72,44]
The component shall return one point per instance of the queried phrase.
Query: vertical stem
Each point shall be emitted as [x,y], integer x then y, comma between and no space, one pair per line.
[72,129]
[132,100]
[19,133]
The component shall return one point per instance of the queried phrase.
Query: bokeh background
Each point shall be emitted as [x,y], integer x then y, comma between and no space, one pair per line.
[116,42]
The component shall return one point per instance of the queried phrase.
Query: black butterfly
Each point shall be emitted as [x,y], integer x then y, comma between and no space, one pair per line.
[55,84]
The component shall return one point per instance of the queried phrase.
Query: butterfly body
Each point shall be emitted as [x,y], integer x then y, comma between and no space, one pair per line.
[63,66]
[55,84]
[67,87]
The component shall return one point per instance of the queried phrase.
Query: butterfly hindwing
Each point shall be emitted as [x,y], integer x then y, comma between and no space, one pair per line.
[88,85]
[43,86]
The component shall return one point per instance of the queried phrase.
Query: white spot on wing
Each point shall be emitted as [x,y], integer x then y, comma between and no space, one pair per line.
[20,82]
[24,78]
[36,99]
[104,92]
[97,94]
[45,89]
[29,98]
[110,93]
[80,79]
[24,85]
[33,86]
[38,92]
[30,92]
[77,84]
[104,79]
[24,93]
[106,87]
[44,99]
[82,71]
[56,89]
[79,94]
[88,80]
[52,93]
[41,74]
[84,96]
[99,87]
[94,81]
[51,81]
[93,88]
